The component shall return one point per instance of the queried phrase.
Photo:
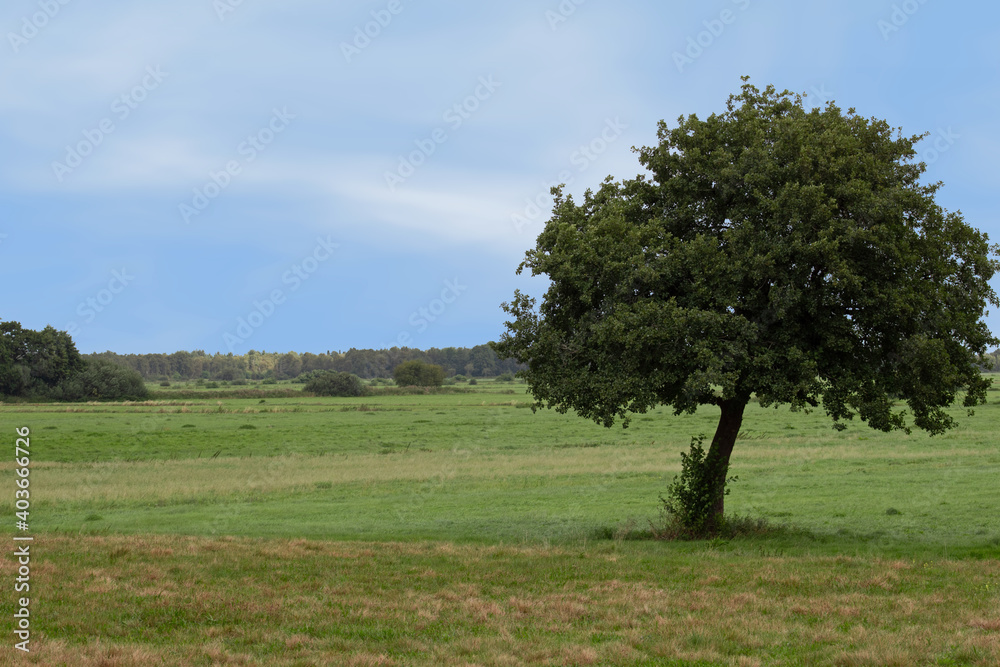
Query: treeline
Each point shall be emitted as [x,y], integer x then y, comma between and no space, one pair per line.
[478,361]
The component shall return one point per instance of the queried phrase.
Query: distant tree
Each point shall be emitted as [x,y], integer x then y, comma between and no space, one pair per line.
[102,380]
[46,364]
[419,374]
[334,383]
[15,372]
[34,362]
[775,252]
[289,365]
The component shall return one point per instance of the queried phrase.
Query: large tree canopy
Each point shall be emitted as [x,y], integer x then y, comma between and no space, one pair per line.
[772,251]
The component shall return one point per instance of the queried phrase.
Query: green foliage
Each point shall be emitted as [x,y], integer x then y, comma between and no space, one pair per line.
[102,380]
[303,378]
[479,360]
[418,374]
[46,365]
[692,497]
[335,384]
[34,363]
[287,366]
[772,250]
[473,381]
[505,377]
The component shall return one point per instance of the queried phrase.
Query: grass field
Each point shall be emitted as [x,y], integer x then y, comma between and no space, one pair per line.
[464,529]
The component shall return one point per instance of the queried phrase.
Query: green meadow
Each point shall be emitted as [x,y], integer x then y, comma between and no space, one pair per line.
[463,528]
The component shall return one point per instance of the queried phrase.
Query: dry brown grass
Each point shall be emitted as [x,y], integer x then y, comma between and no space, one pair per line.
[152,600]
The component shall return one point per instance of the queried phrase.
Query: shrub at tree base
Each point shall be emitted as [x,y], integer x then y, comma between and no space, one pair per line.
[693,495]
[418,374]
[335,384]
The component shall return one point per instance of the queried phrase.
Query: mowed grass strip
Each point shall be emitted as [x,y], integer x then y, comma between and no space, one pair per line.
[157,600]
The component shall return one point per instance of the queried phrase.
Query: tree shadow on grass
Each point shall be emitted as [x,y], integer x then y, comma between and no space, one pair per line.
[759,536]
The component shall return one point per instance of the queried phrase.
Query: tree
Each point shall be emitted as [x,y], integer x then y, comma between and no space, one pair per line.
[14,371]
[289,365]
[103,380]
[46,364]
[332,383]
[773,251]
[33,362]
[419,374]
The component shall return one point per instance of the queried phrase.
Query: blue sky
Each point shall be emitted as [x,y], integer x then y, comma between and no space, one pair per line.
[231,175]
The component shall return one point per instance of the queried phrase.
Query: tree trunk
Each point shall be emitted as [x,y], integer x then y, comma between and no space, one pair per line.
[722,445]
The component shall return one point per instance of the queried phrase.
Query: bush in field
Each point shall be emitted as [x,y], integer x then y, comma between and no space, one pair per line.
[505,377]
[330,383]
[418,374]
[304,378]
[102,380]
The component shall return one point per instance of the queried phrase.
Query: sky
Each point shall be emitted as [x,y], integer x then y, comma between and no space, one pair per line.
[228,175]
